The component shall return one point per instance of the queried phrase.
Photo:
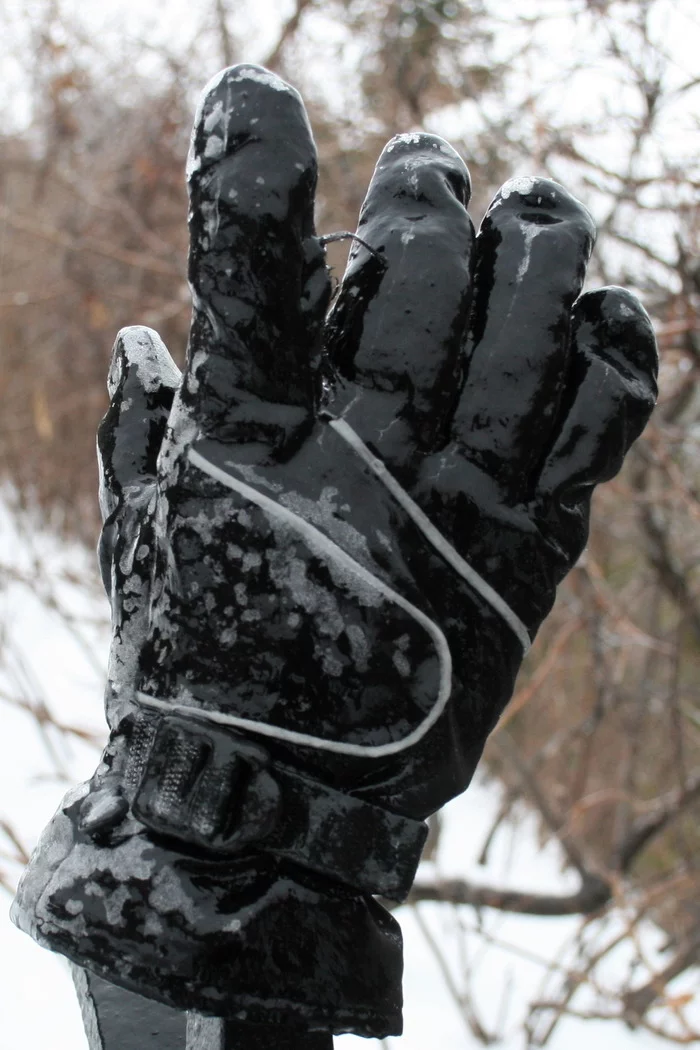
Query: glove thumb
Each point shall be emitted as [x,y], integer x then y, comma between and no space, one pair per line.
[142,382]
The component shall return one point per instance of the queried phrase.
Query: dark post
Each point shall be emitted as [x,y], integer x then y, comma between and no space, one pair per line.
[115,1019]
[214,1033]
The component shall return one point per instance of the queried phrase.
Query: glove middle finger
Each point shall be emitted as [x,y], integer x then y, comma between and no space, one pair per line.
[531,255]
[396,329]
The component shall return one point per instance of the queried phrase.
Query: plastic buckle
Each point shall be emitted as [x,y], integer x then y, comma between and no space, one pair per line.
[206,786]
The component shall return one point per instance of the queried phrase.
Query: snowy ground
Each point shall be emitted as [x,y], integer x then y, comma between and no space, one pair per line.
[46,658]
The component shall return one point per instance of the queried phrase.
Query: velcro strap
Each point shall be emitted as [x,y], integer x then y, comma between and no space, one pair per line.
[214,789]
[367,847]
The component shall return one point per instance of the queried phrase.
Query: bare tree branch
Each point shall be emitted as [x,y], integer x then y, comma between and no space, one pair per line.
[288,30]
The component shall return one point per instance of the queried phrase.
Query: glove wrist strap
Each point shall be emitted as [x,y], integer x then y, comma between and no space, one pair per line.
[211,788]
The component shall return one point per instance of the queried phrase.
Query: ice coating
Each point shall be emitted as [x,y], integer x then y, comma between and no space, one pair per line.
[262,76]
[322,512]
[217,120]
[411,156]
[418,138]
[253,476]
[193,161]
[530,231]
[290,574]
[204,1033]
[410,138]
[143,350]
[522,185]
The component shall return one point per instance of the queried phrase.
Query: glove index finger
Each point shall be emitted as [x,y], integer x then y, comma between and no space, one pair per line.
[257,270]
[142,381]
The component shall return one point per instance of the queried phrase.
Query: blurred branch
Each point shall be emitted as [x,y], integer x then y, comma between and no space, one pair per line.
[672,574]
[540,674]
[593,895]
[462,999]
[665,810]
[595,891]
[88,244]
[288,30]
[637,1002]
[225,39]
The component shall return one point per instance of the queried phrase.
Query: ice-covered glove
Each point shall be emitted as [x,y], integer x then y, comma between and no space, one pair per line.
[328,546]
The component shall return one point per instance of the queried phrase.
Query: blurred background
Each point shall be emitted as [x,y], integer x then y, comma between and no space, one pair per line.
[582,831]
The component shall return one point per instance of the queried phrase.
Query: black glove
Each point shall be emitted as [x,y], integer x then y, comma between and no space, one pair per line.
[327,548]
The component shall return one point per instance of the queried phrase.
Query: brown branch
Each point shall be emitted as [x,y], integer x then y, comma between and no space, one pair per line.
[655,448]
[43,717]
[637,1002]
[288,30]
[22,853]
[541,673]
[593,895]
[613,1015]
[670,571]
[503,811]
[645,249]
[88,244]
[462,1001]
[224,34]
[535,791]
[668,807]
[572,981]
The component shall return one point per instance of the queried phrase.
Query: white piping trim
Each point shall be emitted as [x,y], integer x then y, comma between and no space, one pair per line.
[318,539]
[441,545]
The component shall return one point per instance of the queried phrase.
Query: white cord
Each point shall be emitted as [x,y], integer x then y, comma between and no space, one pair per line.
[436,538]
[319,541]
[316,539]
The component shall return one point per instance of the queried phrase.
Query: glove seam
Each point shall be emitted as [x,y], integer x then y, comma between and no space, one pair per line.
[432,534]
[289,735]
[437,540]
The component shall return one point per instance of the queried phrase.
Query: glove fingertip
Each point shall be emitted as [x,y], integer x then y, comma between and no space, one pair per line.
[140,355]
[142,382]
[533,201]
[621,329]
[612,389]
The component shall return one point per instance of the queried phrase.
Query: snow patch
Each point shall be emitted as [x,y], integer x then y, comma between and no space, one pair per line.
[144,351]
[261,76]
[523,185]
[409,138]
